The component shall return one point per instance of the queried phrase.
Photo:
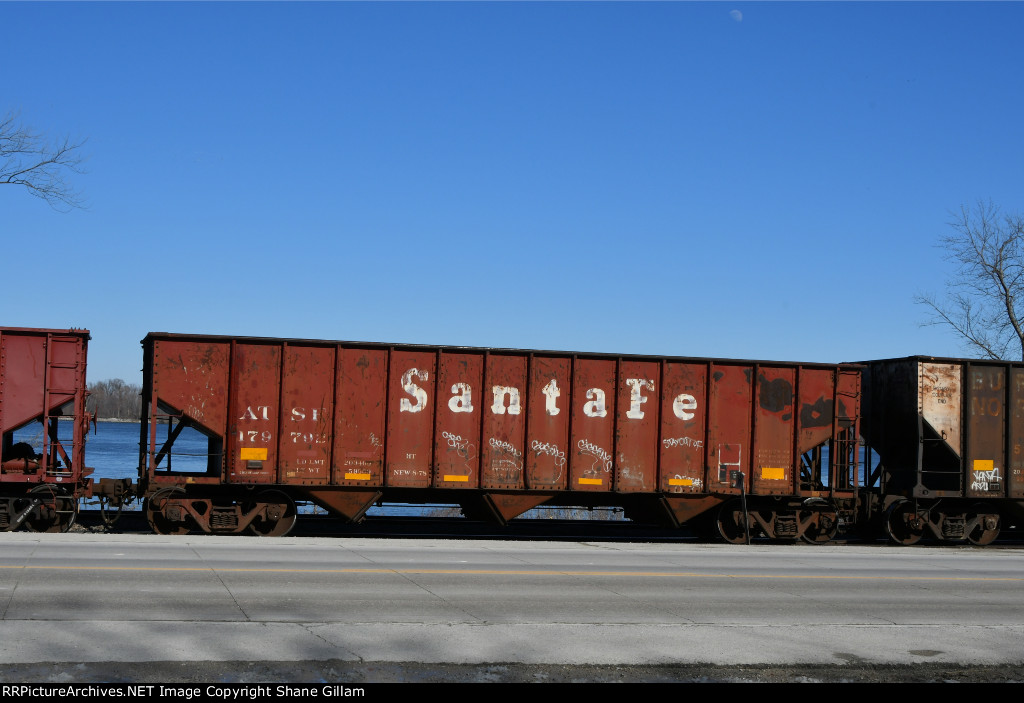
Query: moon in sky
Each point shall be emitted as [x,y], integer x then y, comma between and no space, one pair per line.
[736,15]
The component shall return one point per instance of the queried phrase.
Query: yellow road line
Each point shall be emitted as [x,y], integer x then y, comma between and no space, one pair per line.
[512,572]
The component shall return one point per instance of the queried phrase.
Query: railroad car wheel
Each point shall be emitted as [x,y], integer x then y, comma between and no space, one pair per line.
[155,516]
[277,517]
[983,525]
[56,511]
[903,523]
[731,523]
[824,518]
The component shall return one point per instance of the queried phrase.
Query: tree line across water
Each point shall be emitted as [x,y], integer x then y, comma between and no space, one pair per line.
[114,399]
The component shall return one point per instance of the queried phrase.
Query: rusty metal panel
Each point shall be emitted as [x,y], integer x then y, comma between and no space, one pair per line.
[504,437]
[360,417]
[636,435]
[190,378]
[817,407]
[411,418]
[1015,478]
[43,376]
[548,415]
[849,395]
[311,413]
[307,398]
[943,427]
[255,413]
[593,419]
[939,401]
[986,442]
[457,431]
[65,377]
[25,378]
[774,427]
[684,410]
[729,435]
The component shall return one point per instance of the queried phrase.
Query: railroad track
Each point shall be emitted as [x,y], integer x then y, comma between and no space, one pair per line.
[426,527]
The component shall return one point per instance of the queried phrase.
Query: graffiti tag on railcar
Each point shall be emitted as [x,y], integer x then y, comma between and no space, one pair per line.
[600,455]
[503,446]
[507,465]
[627,475]
[989,480]
[549,449]
[682,442]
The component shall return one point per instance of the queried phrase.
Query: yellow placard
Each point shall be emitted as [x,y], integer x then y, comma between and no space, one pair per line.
[357,477]
[454,477]
[253,453]
[773,472]
[680,482]
[590,481]
[983,464]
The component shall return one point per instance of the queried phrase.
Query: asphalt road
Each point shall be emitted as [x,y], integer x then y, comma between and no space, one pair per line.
[82,602]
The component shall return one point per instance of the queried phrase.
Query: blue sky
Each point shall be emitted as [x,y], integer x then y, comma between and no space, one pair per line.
[746,180]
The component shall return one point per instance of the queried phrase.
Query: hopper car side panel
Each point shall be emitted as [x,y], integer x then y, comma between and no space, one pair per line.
[307,392]
[410,429]
[360,417]
[457,430]
[42,471]
[683,434]
[254,431]
[503,442]
[986,428]
[498,431]
[636,432]
[547,445]
[1015,474]
[592,405]
[948,434]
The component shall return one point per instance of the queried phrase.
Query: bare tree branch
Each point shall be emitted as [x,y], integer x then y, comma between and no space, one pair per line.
[983,302]
[28,159]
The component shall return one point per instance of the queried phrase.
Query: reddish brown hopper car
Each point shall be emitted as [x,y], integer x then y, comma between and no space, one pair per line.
[757,447]
[42,381]
[950,437]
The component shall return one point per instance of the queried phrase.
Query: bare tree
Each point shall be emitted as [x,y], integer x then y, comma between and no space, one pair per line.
[28,159]
[984,298]
[114,399]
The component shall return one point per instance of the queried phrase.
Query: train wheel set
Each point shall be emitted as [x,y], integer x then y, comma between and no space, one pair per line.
[814,520]
[914,449]
[978,524]
[44,508]
[268,513]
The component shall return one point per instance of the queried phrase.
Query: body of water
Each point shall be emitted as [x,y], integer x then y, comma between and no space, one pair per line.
[112,450]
